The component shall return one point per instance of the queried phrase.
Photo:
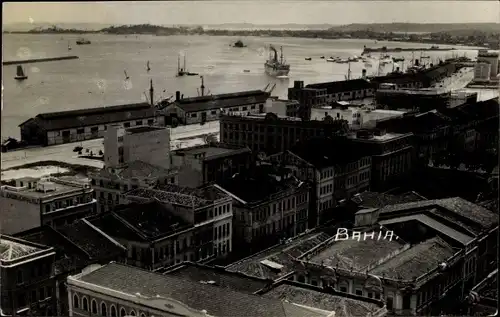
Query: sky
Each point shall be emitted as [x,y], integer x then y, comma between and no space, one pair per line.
[254,12]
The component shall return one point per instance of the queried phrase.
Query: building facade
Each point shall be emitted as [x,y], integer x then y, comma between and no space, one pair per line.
[27,272]
[204,164]
[49,201]
[141,143]
[484,56]
[111,182]
[198,110]
[482,71]
[207,210]
[85,124]
[271,134]
[269,205]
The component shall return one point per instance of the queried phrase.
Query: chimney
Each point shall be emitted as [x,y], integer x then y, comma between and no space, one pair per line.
[177,95]
[182,96]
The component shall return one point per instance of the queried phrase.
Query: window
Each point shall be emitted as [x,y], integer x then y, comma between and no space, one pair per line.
[213,112]
[138,122]
[113,311]
[142,315]
[76,301]
[85,304]
[343,289]
[126,124]
[80,131]
[132,313]
[389,303]
[359,292]
[151,122]
[19,277]
[41,291]
[123,312]
[301,279]
[21,300]
[103,309]
[94,307]
[33,296]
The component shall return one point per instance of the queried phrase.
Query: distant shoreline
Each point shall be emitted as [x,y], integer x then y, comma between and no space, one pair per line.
[458,38]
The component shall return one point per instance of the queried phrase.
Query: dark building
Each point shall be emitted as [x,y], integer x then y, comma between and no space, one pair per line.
[200,165]
[337,169]
[392,156]
[269,204]
[272,134]
[201,109]
[323,94]
[85,124]
[76,246]
[27,275]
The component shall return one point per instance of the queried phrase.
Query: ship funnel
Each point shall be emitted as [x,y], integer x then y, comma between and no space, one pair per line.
[363,74]
[177,95]
[417,62]
[397,69]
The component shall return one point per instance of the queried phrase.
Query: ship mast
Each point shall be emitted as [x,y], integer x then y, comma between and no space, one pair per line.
[151,92]
[202,87]
[281,54]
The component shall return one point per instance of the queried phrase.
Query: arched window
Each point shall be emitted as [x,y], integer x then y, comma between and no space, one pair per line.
[142,315]
[85,304]
[132,313]
[76,301]
[94,307]
[123,313]
[104,311]
[113,311]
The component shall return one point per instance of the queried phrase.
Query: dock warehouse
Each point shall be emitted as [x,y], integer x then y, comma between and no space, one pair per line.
[85,124]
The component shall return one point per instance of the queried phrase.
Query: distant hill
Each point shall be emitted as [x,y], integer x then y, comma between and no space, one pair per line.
[417,27]
[24,27]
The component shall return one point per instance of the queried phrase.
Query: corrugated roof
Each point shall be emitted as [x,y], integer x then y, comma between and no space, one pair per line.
[222,101]
[93,116]
[215,300]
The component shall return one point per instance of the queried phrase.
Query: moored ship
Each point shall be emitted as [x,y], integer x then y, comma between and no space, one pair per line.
[82,41]
[274,66]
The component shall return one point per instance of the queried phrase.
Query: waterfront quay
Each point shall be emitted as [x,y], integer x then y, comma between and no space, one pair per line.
[39,60]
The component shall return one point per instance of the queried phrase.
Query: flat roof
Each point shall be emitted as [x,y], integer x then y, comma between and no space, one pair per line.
[218,277]
[216,301]
[60,189]
[416,261]
[358,255]
[136,169]
[211,151]
[204,103]
[281,254]
[378,138]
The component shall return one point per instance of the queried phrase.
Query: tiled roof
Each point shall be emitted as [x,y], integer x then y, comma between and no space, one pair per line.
[114,227]
[353,254]
[281,254]
[91,240]
[416,261]
[257,185]
[68,255]
[219,277]
[378,200]
[222,101]
[456,205]
[208,192]
[342,86]
[94,116]
[306,295]
[215,300]
[137,169]
[322,152]
[13,248]
[150,220]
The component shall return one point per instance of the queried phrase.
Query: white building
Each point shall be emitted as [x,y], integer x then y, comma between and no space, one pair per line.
[357,117]
[482,71]
[491,58]
[51,201]
[142,143]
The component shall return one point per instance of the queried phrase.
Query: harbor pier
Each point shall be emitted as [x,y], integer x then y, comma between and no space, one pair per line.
[39,60]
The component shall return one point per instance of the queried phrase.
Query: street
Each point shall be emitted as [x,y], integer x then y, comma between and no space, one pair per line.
[64,152]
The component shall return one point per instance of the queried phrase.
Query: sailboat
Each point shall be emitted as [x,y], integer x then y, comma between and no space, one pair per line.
[126,76]
[183,71]
[20,73]
[147,66]
[69,47]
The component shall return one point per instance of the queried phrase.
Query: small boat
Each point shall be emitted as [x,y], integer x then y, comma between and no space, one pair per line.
[147,67]
[239,44]
[82,41]
[282,77]
[322,57]
[398,59]
[69,47]
[182,71]
[342,61]
[425,57]
[20,73]
[127,77]
[246,70]
[331,59]
[308,58]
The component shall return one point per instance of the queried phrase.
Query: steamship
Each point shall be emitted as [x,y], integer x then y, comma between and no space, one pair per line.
[274,66]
